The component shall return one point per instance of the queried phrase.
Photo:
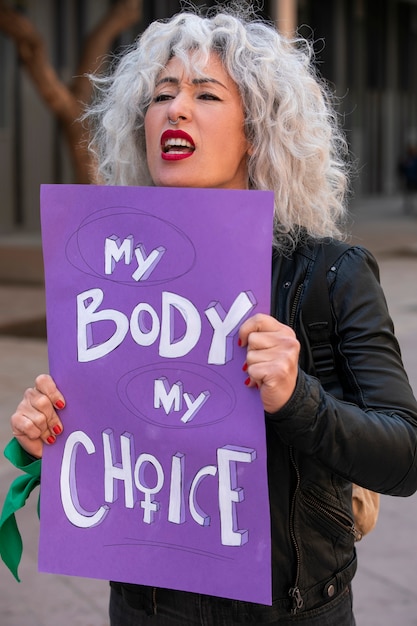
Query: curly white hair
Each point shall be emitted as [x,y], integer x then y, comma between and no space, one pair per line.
[298,148]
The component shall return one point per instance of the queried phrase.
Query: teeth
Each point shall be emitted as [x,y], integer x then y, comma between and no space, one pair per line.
[177,141]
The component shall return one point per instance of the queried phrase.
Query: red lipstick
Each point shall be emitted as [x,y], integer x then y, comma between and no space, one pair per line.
[176,145]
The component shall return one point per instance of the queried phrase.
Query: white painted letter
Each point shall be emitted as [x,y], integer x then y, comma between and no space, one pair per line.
[114,251]
[75,513]
[169,399]
[142,335]
[171,347]
[148,505]
[193,405]
[230,493]
[146,264]
[226,325]
[176,513]
[86,316]
[196,511]
[118,471]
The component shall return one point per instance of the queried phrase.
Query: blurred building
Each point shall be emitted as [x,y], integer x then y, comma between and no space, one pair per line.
[367,49]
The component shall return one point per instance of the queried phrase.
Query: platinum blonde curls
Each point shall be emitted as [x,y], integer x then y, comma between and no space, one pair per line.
[298,149]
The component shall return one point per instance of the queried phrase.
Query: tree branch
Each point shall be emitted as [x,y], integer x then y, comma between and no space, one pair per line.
[32,53]
[121,16]
[66,102]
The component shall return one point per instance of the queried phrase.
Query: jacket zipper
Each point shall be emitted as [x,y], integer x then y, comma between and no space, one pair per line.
[294,592]
[340,520]
[294,306]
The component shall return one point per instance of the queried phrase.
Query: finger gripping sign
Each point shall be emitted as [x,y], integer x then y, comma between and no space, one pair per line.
[159,477]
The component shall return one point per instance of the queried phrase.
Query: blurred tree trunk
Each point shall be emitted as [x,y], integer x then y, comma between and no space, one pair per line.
[66,102]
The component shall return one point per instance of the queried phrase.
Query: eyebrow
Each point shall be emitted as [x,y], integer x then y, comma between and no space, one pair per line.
[195,81]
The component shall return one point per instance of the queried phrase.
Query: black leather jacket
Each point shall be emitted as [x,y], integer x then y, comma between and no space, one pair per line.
[319,443]
[364,432]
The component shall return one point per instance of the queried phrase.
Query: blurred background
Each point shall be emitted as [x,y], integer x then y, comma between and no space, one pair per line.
[366,49]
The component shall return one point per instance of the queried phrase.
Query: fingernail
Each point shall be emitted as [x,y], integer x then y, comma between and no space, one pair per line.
[57,429]
[51,439]
[245,367]
[239,342]
[247,381]
[59,404]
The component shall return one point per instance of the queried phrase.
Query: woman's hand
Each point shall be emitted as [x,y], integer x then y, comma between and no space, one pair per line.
[35,421]
[271,359]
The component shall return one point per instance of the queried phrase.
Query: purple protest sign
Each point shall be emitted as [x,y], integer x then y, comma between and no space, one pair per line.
[159,477]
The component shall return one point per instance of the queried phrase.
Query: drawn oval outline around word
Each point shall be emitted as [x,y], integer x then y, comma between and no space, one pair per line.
[105,223]
[135,391]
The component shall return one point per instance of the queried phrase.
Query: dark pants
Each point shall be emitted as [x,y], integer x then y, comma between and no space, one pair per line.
[163,607]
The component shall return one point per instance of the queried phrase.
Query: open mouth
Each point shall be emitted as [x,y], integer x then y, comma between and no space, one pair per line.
[176,144]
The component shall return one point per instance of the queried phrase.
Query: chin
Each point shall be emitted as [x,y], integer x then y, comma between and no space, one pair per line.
[177,181]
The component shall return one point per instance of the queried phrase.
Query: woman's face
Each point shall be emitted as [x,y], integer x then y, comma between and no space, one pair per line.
[208,147]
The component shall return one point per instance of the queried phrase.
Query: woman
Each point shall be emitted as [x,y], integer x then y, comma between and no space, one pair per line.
[227,102]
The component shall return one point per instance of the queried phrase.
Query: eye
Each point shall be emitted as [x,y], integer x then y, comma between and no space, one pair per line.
[208,96]
[162,97]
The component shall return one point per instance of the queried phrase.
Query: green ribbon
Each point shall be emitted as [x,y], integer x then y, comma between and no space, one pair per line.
[11,545]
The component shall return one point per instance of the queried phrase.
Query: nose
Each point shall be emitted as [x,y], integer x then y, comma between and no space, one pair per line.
[180,108]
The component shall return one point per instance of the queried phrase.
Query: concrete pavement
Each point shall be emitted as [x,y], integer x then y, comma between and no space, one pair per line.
[385,592]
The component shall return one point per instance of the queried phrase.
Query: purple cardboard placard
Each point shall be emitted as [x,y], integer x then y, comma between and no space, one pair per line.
[159,477]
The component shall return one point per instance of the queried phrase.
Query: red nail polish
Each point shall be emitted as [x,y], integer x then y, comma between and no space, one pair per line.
[51,439]
[59,404]
[247,381]
[57,429]
[239,342]
[245,367]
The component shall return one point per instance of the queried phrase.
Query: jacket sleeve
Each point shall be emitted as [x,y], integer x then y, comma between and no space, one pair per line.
[369,437]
